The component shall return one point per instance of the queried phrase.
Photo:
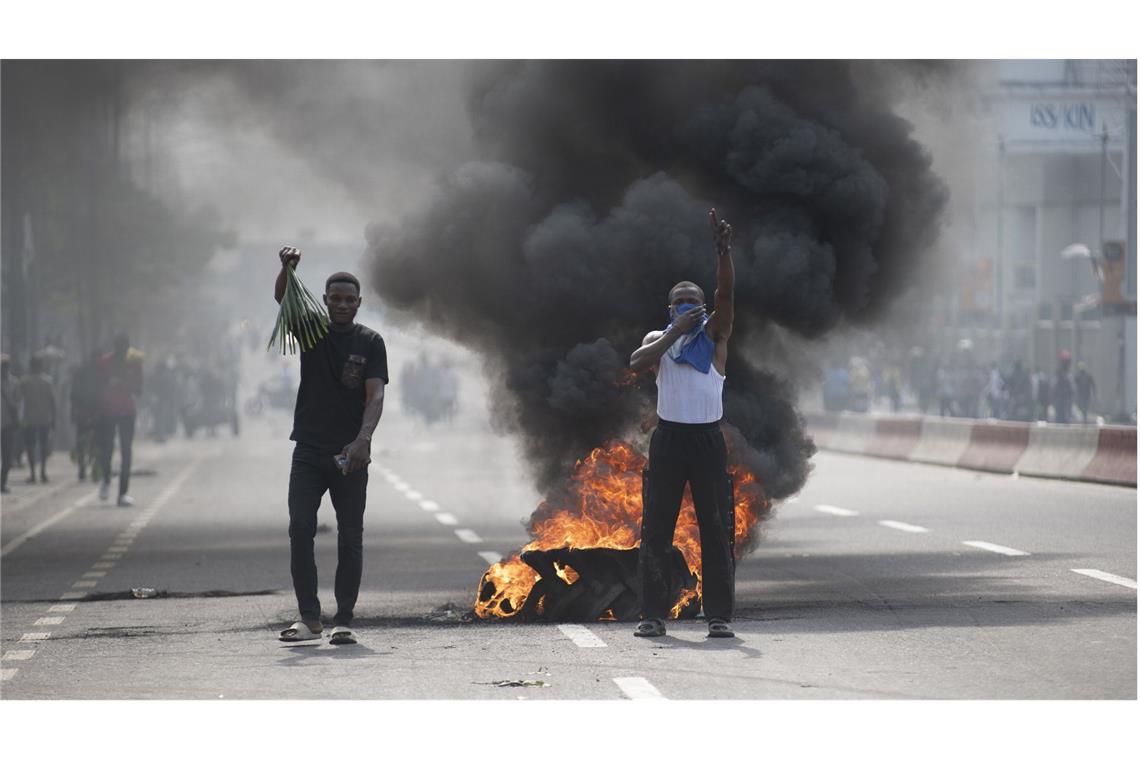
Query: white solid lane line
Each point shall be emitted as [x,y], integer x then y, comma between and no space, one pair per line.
[19,541]
[838,511]
[907,527]
[581,635]
[491,558]
[428,505]
[446,518]
[636,687]
[468,536]
[996,548]
[1100,575]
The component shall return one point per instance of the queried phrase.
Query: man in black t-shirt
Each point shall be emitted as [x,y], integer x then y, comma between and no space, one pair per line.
[339,403]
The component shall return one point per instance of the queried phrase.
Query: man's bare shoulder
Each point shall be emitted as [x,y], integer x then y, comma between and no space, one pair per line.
[651,336]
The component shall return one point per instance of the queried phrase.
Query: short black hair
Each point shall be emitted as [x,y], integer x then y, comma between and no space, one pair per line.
[685,284]
[342,277]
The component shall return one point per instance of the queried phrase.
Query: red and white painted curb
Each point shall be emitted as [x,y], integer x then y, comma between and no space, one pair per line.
[1104,454]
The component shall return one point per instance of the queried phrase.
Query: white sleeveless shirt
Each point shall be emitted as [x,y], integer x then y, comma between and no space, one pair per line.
[685,394]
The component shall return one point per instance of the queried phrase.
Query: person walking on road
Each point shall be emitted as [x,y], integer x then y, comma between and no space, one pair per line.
[120,379]
[9,419]
[1086,390]
[39,417]
[1063,390]
[689,358]
[85,395]
[339,403]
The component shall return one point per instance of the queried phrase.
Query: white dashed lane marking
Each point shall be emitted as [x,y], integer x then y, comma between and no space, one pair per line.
[428,505]
[446,518]
[905,527]
[36,636]
[996,548]
[491,558]
[581,635]
[838,511]
[636,687]
[414,495]
[62,608]
[1100,575]
[468,536]
[18,654]
[54,620]
[19,541]
[7,673]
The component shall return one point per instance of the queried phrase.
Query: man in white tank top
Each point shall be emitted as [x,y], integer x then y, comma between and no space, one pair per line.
[689,357]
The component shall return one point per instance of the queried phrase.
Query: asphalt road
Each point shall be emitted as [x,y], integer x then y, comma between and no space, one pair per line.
[863,586]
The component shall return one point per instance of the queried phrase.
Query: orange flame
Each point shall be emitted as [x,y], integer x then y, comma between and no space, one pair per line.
[600,507]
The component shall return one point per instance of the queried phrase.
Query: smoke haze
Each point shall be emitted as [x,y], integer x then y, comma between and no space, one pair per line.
[553,252]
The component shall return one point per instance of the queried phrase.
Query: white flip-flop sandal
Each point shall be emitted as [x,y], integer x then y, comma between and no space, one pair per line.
[299,632]
[342,634]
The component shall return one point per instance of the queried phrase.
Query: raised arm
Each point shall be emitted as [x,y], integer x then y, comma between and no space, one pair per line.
[289,257]
[719,326]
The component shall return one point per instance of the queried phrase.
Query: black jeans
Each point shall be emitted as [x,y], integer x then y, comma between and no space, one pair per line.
[693,454]
[313,473]
[105,433]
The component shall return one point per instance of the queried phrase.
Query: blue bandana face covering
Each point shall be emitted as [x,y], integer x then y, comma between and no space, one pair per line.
[696,347]
[680,309]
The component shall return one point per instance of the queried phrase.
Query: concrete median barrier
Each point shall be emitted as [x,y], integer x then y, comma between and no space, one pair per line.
[1115,459]
[1058,451]
[895,438]
[995,446]
[853,433]
[1078,452]
[943,441]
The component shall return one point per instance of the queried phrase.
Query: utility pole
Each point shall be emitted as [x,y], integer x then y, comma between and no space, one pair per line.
[999,254]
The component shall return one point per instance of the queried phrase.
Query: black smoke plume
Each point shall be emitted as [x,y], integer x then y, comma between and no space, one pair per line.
[553,254]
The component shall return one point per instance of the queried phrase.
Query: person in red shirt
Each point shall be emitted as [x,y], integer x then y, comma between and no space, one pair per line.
[120,375]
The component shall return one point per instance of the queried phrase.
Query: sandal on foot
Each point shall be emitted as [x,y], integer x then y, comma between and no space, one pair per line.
[720,629]
[299,632]
[648,628]
[342,634]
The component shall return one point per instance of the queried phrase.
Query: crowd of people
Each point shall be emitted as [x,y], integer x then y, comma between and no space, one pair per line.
[958,386]
[103,397]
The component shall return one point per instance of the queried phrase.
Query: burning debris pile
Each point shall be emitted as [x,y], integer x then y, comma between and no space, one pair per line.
[582,561]
[551,253]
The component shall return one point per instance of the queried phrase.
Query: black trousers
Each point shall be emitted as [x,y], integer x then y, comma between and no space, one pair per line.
[86,448]
[693,454]
[105,433]
[313,473]
[36,443]
[7,451]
